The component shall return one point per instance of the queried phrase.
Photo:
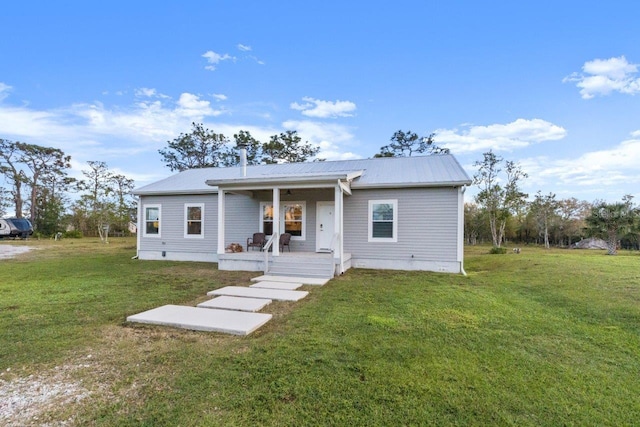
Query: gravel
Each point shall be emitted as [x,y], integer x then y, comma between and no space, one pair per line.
[24,401]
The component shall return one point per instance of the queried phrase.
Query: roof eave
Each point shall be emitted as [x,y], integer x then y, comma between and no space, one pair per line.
[357,186]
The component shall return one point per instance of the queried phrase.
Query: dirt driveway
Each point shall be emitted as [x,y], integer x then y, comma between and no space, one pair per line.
[9,251]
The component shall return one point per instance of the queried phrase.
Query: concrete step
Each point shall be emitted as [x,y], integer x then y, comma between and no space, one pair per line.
[277,285]
[292,279]
[273,294]
[202,319]
[287,270]
[236,303]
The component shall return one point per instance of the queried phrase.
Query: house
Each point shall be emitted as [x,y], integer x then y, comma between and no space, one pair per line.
[382,213]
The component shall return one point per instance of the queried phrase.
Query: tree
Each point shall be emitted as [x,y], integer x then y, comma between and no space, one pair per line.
[544,208]
[405,144]
[252,145]
[41,161]
[611,221]
[287,147]
[572,213]
[105,202]
[199,149]
[9,167]
[499,201]
[52,201]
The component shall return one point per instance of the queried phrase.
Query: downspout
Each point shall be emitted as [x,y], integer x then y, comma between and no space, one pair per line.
[462,190]
[139,224]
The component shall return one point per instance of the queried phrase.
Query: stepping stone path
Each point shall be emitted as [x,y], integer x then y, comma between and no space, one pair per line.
[233,310]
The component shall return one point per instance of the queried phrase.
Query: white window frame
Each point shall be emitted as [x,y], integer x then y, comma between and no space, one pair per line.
[186,220]
[394,203]
[283,206]
[144,225]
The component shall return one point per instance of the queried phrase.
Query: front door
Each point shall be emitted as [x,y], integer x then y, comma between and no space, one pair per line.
[325,223]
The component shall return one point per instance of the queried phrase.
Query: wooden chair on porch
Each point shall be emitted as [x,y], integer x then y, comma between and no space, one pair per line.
[285,239]
[257,241]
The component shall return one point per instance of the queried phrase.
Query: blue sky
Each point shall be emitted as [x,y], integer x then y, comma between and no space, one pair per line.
[552,85]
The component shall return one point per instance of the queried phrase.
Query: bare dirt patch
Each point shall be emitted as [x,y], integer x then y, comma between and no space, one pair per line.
[9,251]
[28,401]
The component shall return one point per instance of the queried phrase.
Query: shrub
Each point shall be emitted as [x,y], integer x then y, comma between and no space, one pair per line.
[73,234]
[497,250]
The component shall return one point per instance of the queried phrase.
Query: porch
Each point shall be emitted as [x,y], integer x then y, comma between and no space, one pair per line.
[305,264]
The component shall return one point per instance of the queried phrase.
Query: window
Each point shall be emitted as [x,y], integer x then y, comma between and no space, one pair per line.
[293,214]
[152,220]
[266,221]
[194,216]
[383,220]
[293,219]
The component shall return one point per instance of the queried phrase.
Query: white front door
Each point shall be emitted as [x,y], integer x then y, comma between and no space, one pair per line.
[325,226]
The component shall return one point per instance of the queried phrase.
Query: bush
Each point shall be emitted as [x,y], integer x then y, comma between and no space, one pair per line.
[73,234]
[497,250]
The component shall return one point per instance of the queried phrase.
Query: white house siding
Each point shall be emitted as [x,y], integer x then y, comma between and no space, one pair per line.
[172,245]
[427,230]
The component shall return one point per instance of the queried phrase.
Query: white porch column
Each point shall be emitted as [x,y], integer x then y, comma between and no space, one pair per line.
[221,212]
[276,221]
[338,254]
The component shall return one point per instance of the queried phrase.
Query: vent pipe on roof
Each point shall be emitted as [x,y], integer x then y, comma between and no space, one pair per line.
[243,159]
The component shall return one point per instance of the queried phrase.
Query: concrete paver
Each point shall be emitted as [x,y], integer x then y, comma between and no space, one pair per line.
[202,319]
[236,303]
[291,279]
[277,285]
[273,294]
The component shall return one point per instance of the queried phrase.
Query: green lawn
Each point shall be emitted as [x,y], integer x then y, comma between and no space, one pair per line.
[546,337]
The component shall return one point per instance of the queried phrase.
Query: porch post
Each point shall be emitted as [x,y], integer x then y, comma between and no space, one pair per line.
[276,220]
[338,254]
[221,211]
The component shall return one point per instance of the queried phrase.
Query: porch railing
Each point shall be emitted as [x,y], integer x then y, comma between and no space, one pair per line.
[267,246]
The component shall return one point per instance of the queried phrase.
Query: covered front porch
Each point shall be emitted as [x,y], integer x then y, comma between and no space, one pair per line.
[308,207]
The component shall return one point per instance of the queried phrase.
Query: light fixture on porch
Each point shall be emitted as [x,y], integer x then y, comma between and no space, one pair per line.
[288,192]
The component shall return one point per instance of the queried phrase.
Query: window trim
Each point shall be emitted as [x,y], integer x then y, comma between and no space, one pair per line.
[144,227]
[281,218]
[394,239]
[186,220]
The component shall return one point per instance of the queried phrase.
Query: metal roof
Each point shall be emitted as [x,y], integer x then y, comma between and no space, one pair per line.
[388,172]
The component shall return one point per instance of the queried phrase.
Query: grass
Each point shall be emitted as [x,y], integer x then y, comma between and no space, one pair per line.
[545,337]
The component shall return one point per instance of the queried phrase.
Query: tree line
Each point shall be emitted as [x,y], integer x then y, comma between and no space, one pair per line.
[501,212]
[41,190]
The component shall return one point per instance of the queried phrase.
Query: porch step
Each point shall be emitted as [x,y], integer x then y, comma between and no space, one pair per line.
[322,267]
[273,294]
[291,279]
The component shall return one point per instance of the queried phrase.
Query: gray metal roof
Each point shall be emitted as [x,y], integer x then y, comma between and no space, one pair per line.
[396,172]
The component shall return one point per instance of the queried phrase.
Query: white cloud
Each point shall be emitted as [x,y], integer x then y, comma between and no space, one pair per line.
[243,47]
[324,109]
[604,76]
[4,90]
[219,97]
[330,137]
[190,105]
[214,59]
[609,170]
[517,134]
[145,92]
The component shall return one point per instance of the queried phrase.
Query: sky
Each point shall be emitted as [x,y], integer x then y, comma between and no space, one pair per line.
[552,85]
